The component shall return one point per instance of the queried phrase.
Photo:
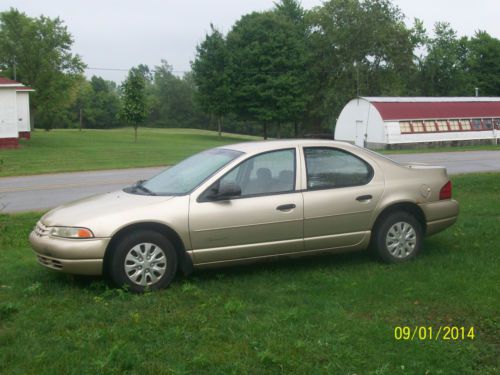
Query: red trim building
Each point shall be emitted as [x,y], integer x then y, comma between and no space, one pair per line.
[14,112]
[405,122]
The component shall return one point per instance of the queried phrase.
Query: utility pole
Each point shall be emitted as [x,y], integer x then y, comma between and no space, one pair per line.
[357,78]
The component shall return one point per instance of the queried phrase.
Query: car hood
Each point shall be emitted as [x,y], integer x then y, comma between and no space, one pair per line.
[101,207]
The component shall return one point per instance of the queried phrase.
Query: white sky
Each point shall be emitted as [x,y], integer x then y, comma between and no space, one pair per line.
[122,34]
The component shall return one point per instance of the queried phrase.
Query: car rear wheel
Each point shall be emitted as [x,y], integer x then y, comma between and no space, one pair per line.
[144,260]
[398,237]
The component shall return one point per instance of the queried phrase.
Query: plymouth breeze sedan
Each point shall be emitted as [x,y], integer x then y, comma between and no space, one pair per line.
[248,202]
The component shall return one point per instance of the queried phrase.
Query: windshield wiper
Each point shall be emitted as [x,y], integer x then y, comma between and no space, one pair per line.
[140,186]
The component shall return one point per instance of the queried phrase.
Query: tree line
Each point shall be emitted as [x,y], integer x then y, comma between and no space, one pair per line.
[282,72]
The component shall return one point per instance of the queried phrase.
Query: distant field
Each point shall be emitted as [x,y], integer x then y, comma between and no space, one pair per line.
[72,150]
[333,314]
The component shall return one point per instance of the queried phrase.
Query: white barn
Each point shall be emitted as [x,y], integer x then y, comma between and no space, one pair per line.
[14,112]
[408,122]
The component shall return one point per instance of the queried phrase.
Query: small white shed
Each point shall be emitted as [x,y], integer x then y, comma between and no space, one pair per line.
[14,112]
[406,122]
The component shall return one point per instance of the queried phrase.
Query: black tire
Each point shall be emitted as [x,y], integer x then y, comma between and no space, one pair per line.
[391,248]
[135,248]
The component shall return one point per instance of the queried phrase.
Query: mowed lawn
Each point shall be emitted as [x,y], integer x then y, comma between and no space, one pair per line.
[333,314]
[73,150]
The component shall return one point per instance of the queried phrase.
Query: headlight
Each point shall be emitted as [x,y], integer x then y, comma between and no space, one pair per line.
[71,232]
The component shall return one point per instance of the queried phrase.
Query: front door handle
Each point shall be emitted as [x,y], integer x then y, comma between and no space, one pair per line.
[286,207]
[364,198]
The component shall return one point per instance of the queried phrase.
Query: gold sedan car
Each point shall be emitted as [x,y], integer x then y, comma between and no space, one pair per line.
[248,202]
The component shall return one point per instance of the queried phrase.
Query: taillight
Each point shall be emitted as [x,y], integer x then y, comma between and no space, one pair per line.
[445,192]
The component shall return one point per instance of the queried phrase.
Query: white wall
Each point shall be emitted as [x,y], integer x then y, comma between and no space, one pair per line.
[356,111]
[23,111]
[8,113]
[444,136]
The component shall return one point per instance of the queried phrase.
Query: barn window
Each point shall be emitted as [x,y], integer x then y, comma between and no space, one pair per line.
[465,124]
[418,126]
[476,124]
[442,126]
[405,127]
[430,126]
[454,125]
[488,123]
[497,123]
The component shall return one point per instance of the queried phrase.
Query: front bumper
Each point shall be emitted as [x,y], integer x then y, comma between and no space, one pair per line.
[77,256]
[440,215]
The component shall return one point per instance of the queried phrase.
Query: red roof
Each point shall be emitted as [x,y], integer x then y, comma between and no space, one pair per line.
[437,110]
[6,81]
[14,84]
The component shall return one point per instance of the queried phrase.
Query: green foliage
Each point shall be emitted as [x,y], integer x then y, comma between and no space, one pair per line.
[444,68]
[99,103]
[331,314]
[210,74]
[171,99]
[39,50]
[285,69]
[359,47]
[484,63]
[267,59]
[134,108]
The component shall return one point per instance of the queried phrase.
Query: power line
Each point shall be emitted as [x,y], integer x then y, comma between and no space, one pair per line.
[126,70]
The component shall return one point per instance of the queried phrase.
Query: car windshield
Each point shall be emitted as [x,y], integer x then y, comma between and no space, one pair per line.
[188,174]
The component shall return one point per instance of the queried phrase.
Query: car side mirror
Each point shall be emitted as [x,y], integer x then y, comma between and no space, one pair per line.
[229,190]
[224,191]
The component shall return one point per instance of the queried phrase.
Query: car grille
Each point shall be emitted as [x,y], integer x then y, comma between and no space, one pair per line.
[52,263]
[41,230]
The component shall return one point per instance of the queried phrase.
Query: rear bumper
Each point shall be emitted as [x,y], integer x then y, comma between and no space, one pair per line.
[440,215]
[82,257]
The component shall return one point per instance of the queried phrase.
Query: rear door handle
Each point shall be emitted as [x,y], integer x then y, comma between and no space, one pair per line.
[363,198]
[286,207]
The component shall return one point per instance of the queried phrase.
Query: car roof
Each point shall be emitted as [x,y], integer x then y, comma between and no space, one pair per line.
[262,146]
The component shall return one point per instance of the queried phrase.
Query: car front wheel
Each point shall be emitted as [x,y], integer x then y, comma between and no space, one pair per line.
[144,260]
[398,237]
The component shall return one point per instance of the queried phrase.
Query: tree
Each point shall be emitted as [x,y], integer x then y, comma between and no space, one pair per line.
[37,52]
[484,63]
[99,104]
[444,68]
[210,73]
[171,99]
[266,69]
[359,48]
[134,108]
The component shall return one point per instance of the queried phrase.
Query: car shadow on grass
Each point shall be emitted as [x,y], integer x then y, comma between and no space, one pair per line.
[433,248]
[292,265]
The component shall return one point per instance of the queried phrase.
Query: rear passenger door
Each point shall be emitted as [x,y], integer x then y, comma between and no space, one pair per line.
[341,192]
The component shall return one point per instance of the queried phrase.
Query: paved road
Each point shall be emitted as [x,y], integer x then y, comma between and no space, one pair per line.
[41,192]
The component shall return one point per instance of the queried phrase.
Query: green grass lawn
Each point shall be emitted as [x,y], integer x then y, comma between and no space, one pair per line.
[72,150]
[331,314]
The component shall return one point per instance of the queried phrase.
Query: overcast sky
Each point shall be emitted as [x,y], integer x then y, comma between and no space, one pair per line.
[119,34]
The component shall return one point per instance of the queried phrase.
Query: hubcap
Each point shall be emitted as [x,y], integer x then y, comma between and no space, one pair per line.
[145,264]
[401,239]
